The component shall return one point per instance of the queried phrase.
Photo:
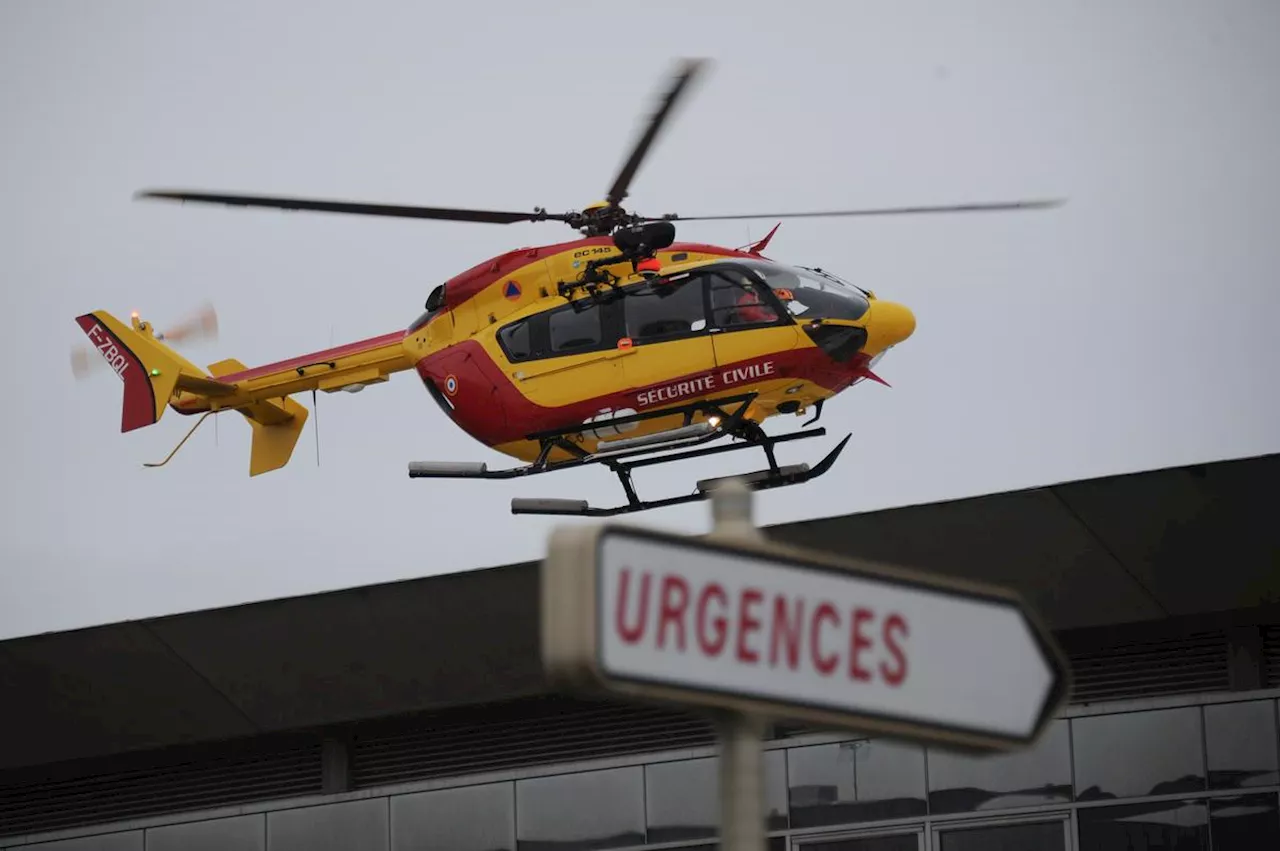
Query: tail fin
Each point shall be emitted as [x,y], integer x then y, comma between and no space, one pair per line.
[150,370]
[277,425]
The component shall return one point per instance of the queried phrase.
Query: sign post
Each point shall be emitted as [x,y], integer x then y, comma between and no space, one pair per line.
[741,734]
[751,632]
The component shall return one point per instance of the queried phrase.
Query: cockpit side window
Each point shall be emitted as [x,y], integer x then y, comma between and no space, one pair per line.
[739,302]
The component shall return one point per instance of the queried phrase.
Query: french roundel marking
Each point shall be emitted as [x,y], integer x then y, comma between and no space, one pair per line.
[451,385]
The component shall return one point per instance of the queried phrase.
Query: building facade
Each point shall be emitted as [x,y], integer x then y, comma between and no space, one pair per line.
[415,716]
[1188,773]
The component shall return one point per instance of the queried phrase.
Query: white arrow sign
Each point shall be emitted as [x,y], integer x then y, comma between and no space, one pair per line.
[797,636]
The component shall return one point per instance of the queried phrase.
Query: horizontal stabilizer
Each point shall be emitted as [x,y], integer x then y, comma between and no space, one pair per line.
[226,367]
[204,386]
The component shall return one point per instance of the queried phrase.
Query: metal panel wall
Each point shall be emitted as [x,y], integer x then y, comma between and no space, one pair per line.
[522,733]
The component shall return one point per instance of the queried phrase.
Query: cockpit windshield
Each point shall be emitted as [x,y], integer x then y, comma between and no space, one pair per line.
[808,294]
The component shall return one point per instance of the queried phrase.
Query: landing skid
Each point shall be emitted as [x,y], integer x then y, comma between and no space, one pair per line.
[616,454]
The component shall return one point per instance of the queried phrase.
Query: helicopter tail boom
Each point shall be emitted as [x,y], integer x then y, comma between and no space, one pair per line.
[155,377]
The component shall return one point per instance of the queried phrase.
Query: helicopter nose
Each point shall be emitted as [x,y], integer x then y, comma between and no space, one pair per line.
[889,324]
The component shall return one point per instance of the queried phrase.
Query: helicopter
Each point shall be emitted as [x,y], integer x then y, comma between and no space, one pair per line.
[622,347]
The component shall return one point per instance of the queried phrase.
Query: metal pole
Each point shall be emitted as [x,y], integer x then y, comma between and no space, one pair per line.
[742,826]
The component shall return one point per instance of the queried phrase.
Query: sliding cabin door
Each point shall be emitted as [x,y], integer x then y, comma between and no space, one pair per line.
[671,359]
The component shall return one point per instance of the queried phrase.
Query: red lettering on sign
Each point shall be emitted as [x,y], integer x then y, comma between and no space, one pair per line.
[747,623]
[675,598]
[634,632]
[719,624]
[858,643]
[824,664]
[786,627]
[803,633]
[895,675]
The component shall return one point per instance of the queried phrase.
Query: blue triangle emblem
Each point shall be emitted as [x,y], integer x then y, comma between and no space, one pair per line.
[511,290]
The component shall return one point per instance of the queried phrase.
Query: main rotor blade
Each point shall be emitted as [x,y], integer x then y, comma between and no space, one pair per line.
[689,69]
[447,213]
[883,211]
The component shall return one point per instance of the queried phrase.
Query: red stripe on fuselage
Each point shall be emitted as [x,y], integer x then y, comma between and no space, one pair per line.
[314,357]
[490,408]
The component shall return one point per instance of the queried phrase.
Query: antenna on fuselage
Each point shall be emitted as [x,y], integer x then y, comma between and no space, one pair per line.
[315,426]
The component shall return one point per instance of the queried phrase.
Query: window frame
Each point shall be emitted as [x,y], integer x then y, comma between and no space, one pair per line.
[1061,816]
[539,325]
[613,315]
[705,275]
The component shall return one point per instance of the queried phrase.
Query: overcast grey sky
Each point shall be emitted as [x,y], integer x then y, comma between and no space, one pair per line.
[1132,329]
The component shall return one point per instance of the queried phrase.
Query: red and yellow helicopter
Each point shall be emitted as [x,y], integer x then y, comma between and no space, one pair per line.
[622,347]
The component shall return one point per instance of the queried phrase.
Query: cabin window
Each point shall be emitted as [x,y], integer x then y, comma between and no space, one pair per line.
[739,302]
[516,341]
[666,310]
[572,331]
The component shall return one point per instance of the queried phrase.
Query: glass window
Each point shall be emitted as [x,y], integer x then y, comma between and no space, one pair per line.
[1036,775]
[884,842]
[574,331]
[1138,753]
[131,841]
[775,789]
[594,809]
[820,784]
[242,833]
[1173,825]
[738,301]
[470,818]
[812,295]
[682,799]
[1241,742]
[1245,823]
[855,781]
[1039,835]
[665,311]
[772,843]
[349,826]
[516,340]
[889,780]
